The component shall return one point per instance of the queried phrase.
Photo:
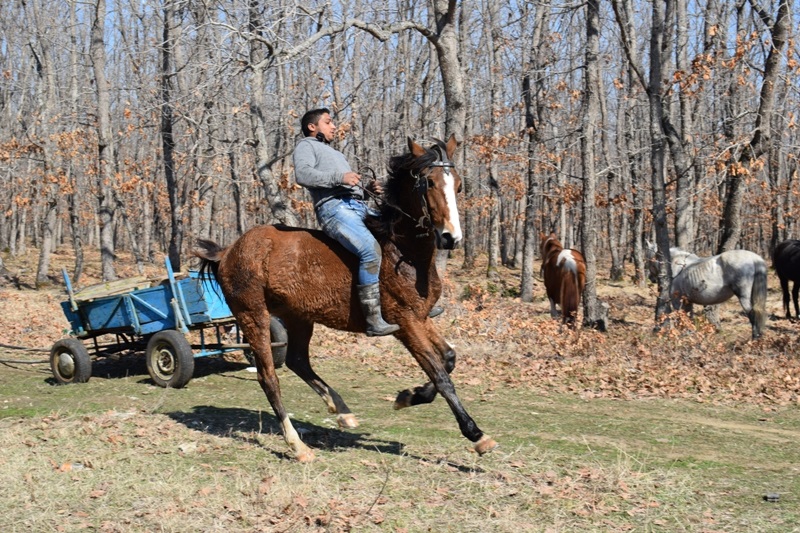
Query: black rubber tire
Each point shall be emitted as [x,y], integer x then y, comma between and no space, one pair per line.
[70,361]
[170,361]
[277,334]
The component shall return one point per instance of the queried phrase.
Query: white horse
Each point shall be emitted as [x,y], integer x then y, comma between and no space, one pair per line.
[713,280]
[680,258]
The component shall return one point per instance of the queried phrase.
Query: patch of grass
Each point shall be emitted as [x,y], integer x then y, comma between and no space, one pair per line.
[120,454]
[684,430]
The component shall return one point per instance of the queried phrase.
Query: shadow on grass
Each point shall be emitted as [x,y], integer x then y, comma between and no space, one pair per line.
[246,424]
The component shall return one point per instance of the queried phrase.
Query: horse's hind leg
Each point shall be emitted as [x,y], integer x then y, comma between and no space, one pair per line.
[255,325]
[785,294]
[747,307]
[298,362]
[427,393]
[416,340]
[795,291]
[553,310]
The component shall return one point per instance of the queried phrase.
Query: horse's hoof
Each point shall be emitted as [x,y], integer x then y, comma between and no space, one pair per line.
[403,400]
[485,445]
[347,421]
[304,456]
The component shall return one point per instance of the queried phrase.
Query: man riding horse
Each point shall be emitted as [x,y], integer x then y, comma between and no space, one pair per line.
[341,209]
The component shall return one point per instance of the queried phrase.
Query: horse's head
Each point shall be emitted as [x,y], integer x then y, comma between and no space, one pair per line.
[424,185]
[546,242]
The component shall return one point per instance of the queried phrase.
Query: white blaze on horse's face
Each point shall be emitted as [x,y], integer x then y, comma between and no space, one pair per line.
[452,226]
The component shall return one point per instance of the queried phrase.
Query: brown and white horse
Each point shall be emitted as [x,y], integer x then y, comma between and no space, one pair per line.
[564,272]
[305,278]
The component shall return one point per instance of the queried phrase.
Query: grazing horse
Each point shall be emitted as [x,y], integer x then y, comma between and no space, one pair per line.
[714,280]
[564,277]
[786,260]
[680,258]
[306,278]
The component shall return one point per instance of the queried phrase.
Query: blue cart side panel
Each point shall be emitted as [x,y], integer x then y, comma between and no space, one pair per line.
[203,299]
[142,311]
[147,311]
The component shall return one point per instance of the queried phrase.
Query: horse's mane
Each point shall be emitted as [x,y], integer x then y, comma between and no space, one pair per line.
[401,168]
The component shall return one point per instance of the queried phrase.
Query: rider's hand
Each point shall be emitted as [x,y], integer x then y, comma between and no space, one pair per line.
[351,178]
[375,187]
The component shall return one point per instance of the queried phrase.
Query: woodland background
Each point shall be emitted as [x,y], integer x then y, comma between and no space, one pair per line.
[141,126]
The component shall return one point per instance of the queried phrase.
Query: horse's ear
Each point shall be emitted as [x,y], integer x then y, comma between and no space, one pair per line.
[452,144]
[415,149]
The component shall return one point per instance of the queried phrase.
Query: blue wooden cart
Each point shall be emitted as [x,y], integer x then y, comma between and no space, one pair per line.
[154,315]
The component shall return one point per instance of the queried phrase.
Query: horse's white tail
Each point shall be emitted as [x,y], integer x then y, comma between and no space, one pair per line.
[758,299]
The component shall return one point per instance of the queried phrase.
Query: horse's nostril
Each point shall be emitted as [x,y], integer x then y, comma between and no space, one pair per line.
[448,242]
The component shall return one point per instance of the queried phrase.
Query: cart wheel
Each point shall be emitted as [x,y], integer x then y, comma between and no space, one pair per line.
[277,334]
[70,362]
[170,361]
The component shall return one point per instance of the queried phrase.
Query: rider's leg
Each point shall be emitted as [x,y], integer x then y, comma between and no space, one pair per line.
[343,220]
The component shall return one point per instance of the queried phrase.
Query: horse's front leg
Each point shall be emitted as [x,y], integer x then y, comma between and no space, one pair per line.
[414,337]
[297,359]
[255,326]
[427,393]
[795,291]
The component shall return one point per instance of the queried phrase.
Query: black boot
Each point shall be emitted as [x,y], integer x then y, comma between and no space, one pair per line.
[370,298]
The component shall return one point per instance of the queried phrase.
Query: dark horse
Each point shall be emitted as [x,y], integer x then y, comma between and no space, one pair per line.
[786,260]
[564,272]
[304,277]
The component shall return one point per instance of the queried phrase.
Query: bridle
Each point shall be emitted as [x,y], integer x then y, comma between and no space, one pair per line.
[421,177]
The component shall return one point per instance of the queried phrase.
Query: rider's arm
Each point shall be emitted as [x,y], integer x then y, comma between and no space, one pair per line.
[311,168]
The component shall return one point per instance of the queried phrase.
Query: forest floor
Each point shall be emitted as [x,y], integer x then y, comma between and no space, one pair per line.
[688,428]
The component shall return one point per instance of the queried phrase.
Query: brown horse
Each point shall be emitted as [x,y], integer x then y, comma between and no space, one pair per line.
[305,278]
[564,277]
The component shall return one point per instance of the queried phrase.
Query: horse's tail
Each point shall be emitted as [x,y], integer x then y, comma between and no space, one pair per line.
[570,296]
[210,254]
[758,298]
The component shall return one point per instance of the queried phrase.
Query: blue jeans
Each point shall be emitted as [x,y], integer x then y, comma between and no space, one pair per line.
[343,219]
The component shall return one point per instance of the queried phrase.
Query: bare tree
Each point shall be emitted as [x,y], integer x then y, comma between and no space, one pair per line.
[533,87]
[760,141]
[105,147]
[652,85]
[591,115]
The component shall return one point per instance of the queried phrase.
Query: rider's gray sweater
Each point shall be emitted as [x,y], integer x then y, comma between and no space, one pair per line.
[320,168]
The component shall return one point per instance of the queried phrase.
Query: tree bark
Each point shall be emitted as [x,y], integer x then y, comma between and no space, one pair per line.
[533,89]
[260,124]
[591,115]
[759,143]
[105,147]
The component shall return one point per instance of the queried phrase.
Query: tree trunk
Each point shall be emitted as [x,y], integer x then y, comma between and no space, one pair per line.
[168,141]
[533,94]
[495,82]
[105,147]
[259,121]
[759,144]
[591,116]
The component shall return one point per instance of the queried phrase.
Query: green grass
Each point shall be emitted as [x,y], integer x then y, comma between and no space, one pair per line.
[118,454]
